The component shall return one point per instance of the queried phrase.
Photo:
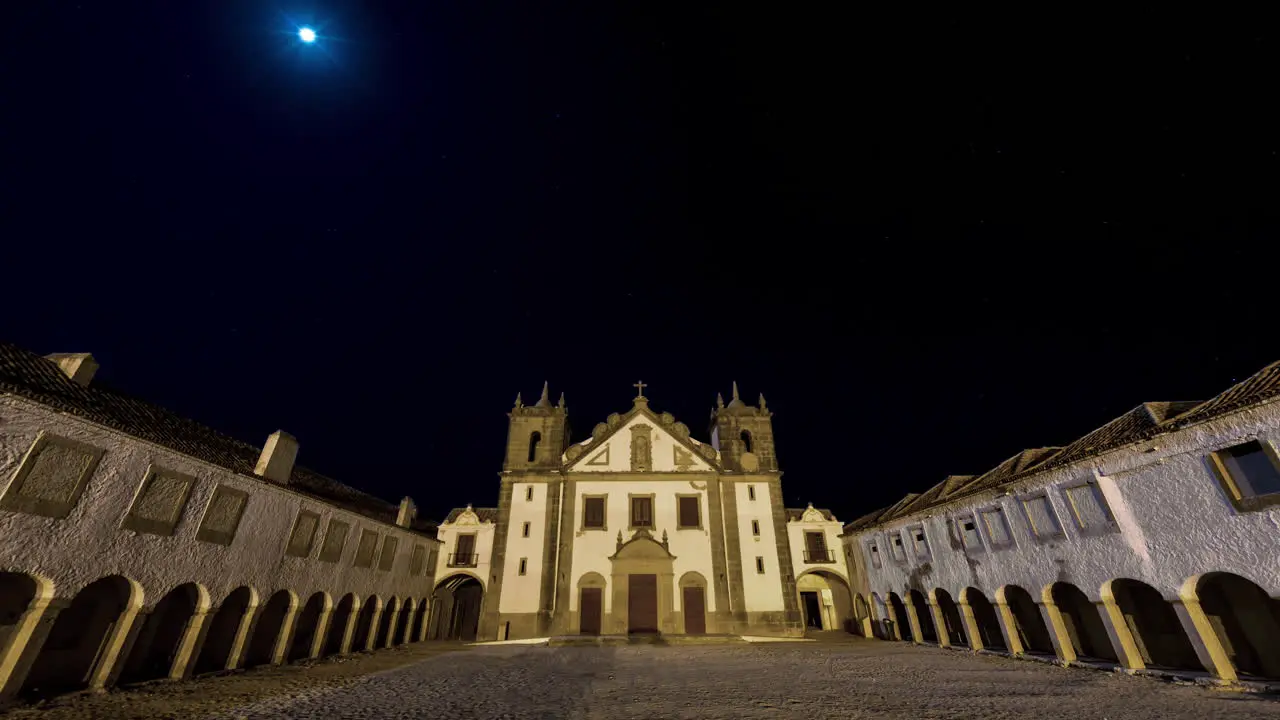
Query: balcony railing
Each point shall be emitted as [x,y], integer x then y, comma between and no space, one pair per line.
[818,556]
[463,559]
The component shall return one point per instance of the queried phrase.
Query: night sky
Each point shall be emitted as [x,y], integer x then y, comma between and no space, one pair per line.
[930,240]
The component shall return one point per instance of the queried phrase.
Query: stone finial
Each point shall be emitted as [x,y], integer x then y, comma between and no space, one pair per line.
[544,401]
[561,403]
[519,404]
[735,402]
[762,405]
[80,367]
[719,400]
[408,511]
[664,538]
[619,540]
[277,458]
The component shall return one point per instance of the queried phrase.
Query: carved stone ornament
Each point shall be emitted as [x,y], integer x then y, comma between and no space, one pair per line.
[467,517]
[599,431]
[667,418]
[812,515]
[707,451]
[641,448]
[573,453]
[680,430]
[614,420]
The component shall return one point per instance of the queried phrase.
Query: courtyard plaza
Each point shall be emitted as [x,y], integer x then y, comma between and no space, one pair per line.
[831,678]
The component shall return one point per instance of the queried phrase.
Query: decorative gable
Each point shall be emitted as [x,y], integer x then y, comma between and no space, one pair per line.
[641,442]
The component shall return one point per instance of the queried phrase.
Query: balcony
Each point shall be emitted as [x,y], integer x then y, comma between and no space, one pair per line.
[463,559]
[812,557]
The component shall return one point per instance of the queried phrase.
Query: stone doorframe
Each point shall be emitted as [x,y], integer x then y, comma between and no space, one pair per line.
[641,555]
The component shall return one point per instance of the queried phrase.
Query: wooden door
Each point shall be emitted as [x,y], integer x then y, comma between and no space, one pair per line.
[590,611]
[642,603]
[695,611]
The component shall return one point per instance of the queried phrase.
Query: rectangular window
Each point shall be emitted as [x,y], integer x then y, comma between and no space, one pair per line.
[919,543]
[528,494]
[335,540]
[760,564]
[815,548]
[997,527]
[159,502]
[433,557]
[1044,522]
[874,551]
[464,553]
[642,511]
[899,554]
[56,471]
[524,532]
[755,528]
[1249,474]
[303,537]
[388,557]
[593,512]
[524,565]
[968,531]
[1088,507]
[364,551]
[416,559]
[689,512]
[751,492]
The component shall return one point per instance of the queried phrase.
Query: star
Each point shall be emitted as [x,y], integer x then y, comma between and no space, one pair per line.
[307,35]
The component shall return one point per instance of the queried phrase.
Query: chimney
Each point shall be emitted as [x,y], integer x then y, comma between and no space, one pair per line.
[80,367]
[276,461]
[408,511]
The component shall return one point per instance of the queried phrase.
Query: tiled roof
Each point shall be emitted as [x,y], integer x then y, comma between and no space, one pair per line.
[865,521]
[485,514]
[1262,385]
[797,513]
[1008,470]
[35,378]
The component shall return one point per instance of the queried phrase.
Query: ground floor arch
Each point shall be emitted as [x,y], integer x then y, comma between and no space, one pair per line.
[1027,622]
[693,602]
[419,621]
[455,608]
[862,616]
[1081,622]
[224,629]
[404,624]
[387,623]
[365,631]
[18,595]
[985,618]
[1244,620]
[307,625]
[159,641]
[85,638]
[825,600]
[953,624]
[901,622]
[339,623]
[270,629]
[924,617]
[1158,636]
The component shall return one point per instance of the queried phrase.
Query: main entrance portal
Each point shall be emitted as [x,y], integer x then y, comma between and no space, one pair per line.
[642,603]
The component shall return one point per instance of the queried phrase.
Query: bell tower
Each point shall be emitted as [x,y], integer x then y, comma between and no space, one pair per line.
[744,435]
[537,435]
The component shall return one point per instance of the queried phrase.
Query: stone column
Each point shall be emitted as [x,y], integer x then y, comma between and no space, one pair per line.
[939,623]
[371,643]
[348,633]
[392,626]
[916,634]
[1009,629]
[287,627]
[116,647]
[240,646]
[426,618]
[1208,646]
[971,626]
[322,633]
[184,661]
[1120,634]
[1058,632]
[28,637]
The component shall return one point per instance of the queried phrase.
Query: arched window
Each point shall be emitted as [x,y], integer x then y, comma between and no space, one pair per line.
[746,441]
[534,439]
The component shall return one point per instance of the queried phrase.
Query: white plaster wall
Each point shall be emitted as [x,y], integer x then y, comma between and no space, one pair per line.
[763,593]
[662,447]
[521,593]
[448,535]
[1175,522]
[835,547]
[89,544]
[592,548]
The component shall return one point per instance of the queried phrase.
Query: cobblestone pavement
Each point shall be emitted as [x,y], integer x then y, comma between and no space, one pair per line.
[864,679]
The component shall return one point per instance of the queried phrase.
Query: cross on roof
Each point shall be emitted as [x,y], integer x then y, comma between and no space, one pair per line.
[640,386]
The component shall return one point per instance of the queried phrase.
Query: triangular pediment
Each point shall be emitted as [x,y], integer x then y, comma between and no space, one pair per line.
[642,546]
[641,441]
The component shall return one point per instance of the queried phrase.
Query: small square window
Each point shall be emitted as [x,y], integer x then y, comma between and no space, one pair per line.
[919,543]
[688,512]
[524,565]
[751,492]
[524,532]
[528,494]
[967,528]
[755,528]
[1249,473]
[760,564]
[899,554]
[874,551]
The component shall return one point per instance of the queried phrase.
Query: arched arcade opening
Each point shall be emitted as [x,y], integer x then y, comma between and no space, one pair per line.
[455,608]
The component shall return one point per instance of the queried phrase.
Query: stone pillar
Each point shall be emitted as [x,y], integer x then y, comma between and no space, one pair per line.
[396,613]
[348,633]
[939,623]
[285,638]
[916,635]
[1058,632]
[426,619]
[971,626]
[1120,634]
[322,633]
[240,646]
[184,661]
[116,647]
[1205,640]
[28,637]
[371,643]
[1009,629]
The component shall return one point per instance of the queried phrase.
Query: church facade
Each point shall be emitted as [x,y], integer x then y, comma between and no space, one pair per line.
[640,528]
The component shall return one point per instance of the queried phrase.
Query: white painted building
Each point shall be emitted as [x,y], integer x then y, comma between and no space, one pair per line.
[140,545]
[1152,542]
[639,528]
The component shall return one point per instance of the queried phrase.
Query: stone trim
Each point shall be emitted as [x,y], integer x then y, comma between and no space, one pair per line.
[16,500]
[559,618]
[489,603]
[719,619]
[220,536]
[136,522]
[790,596]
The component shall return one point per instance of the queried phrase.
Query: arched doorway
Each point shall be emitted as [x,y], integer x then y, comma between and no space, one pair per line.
[642,580]
[1032,633]
[1083,623]
[158,641]
[304,634]
[901,621]
[269,629]
[1246,621]
[360,639]
[419,619]
[951,618]
[825,600]
[386,623]
[1153,623]
[984,615]
[591,588]
[861,616]
[224,626]
[693,603]
[78,646]
[404,626]
[923,616]
[338,625]
[455,608]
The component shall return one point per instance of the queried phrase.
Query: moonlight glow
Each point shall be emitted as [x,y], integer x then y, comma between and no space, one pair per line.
[307,35]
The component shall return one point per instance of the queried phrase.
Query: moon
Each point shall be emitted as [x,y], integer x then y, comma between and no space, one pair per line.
[307,35]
